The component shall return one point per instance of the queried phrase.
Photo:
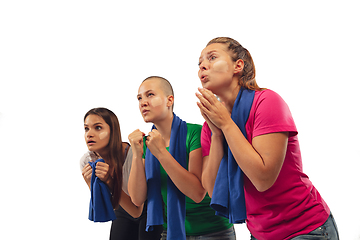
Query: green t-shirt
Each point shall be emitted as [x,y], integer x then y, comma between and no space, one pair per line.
[200,217]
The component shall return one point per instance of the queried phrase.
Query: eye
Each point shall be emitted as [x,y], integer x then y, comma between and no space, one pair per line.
[150,94]
[98,127]
[212,57]
[138,98]
[86,129]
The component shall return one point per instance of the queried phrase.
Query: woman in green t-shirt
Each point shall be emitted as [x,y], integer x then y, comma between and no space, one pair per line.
[156,99]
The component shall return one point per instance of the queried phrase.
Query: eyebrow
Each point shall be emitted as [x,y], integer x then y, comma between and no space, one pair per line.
[98,123]
[208,53]
[144,92]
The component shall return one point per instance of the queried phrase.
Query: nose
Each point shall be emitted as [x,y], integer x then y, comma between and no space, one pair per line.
[203,66]
[143,102]
[89,134]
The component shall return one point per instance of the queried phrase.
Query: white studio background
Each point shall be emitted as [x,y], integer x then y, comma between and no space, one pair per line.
[58,59]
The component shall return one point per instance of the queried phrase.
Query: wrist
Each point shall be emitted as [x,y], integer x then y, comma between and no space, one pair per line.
[161,154]
[138,155]
[227,127]
[217,134]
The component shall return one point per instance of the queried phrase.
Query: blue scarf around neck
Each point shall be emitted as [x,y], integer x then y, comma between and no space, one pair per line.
[228,198]
[100,209]
[175,198]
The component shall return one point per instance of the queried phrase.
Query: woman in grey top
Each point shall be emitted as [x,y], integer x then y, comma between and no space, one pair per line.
[103,139]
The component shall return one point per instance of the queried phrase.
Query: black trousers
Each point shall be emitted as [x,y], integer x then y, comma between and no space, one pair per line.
[125,227]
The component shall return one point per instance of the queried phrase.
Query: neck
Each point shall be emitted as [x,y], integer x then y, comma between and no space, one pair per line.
[229,96]
[104,155]
[164,128]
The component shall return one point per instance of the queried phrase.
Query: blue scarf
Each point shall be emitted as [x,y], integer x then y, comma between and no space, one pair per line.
[175,198]
[100,209]
[228,198]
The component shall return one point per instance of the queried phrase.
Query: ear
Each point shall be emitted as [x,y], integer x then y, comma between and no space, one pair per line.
[170,100]
[239,66]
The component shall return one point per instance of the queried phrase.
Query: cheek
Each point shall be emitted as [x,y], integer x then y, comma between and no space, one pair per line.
[221,66]
[103,135]
[156,101]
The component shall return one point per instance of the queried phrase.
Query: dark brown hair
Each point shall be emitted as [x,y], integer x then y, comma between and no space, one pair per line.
[247,77]
[114,148]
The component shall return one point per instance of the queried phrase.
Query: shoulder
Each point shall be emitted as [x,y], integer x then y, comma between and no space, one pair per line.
[193,127]
[89,156]
[193,130]
[128,155]
[193,136]
[267,95]
[269,102]
[270,113]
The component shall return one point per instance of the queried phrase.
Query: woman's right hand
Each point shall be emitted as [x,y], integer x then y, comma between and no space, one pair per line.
[87,172]
[214,129]
[137,143]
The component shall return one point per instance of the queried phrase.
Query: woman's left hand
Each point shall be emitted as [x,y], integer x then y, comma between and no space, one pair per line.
[155,142]
[215,111]
[102,171]
[87,172]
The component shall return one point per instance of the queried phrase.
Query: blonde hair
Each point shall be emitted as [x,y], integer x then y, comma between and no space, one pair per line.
[165,85]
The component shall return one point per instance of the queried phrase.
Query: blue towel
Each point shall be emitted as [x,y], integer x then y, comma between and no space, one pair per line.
[175,198]
[228,198]
[100,209]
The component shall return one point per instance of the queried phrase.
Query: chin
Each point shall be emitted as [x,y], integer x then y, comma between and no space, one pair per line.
[147,120]
[208,87]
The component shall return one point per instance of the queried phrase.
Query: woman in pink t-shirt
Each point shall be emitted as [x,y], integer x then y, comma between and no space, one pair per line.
[281,202]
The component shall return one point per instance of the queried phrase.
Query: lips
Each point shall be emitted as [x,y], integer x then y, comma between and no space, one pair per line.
[204,78]
[144,112]
[91,142]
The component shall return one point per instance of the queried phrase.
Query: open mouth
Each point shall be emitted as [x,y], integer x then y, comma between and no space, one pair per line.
[203,78]
[90,142]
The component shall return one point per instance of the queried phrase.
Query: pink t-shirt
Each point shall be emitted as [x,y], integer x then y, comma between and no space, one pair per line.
[292,206]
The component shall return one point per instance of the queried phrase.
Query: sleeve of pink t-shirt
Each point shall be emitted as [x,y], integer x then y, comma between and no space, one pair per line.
[205,139]
[269,114]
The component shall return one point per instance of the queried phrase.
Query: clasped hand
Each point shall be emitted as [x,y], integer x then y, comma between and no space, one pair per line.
[154,141]
[213,111]
[101,171]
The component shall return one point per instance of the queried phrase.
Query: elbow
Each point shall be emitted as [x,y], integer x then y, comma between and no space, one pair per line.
[207,185]
[137,202]
[138,213]
[197,198]
[262,188]
[264,185]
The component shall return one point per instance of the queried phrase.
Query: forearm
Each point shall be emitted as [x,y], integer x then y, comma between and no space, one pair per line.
[137,182]
[248,159]
[187,182]
[212,163]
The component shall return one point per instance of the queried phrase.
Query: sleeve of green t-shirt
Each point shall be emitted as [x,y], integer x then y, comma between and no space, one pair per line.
[193,137]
